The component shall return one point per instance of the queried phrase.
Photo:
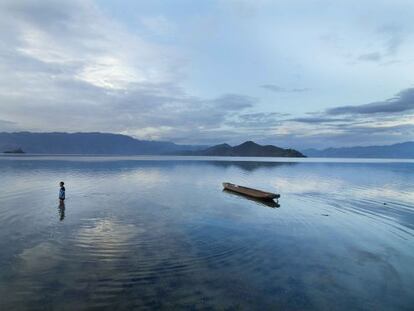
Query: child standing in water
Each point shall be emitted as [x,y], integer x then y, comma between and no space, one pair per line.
[62,191]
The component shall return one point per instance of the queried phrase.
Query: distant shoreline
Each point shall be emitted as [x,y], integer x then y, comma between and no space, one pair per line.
[97,158]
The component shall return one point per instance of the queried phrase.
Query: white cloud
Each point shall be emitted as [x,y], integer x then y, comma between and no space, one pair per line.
[74,69]
[95,48]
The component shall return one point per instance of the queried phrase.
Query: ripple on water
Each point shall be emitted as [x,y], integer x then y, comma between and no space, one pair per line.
[123,256]
[195,255]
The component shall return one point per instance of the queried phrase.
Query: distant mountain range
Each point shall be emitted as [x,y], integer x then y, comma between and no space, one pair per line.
[86,143]
[401,150]
[246,149]
[117,144]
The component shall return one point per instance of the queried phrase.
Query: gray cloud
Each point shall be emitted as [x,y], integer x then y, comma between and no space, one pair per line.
[403,101]
[382,122]
[278,89]
[235,101]
[262,116]
[318,120]
[258,120]
[379,130]
[371,57]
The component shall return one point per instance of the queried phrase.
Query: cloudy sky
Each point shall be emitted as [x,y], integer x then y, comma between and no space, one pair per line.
[297,73]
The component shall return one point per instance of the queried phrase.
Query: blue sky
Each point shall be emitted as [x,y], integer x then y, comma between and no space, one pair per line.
[290,73]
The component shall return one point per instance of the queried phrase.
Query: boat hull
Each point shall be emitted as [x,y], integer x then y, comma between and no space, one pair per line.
[268,203]
[254,193]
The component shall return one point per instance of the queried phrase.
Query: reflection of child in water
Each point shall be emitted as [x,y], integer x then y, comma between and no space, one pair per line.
[62,191]
[61,210]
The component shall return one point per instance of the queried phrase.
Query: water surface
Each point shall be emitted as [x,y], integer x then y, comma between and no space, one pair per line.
[159,233]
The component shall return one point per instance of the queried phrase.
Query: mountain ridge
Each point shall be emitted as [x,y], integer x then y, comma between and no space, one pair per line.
[92,143]
[399,151]
[96,143]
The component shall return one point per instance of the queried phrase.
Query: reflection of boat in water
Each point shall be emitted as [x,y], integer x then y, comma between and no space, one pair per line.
[269,203]
[254,193]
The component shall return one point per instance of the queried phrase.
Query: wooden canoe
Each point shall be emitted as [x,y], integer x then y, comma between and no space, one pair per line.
[269,203]
[254,193]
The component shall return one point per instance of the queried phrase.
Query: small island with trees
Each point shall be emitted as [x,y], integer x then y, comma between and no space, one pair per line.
[246,149]
[15,151]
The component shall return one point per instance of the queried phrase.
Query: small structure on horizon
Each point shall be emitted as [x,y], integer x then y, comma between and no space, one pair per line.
[18,150]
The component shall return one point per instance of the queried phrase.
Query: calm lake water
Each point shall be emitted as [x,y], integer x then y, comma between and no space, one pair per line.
[161,234]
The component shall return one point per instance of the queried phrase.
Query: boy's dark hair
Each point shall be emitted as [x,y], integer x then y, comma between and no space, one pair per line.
[62,183]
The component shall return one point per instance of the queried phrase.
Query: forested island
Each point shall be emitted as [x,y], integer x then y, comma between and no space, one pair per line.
[246,149]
